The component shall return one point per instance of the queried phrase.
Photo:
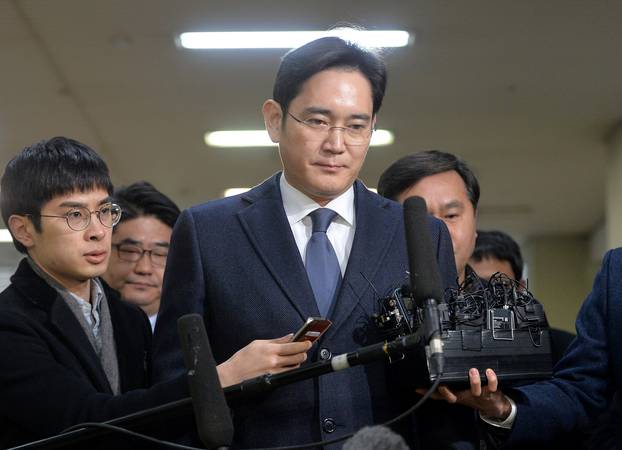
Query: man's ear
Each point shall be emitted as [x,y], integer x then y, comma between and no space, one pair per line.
[22,230]
[272,117]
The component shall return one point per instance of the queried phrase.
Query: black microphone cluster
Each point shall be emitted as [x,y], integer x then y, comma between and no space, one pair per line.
[496,324]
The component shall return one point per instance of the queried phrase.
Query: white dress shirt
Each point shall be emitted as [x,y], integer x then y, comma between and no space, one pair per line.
[152,321]
[340,232]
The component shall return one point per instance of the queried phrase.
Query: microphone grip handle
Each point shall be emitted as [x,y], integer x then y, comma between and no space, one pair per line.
[432,320]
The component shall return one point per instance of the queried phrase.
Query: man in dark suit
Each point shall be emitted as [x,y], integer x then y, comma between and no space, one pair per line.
[70,350]
[248,263]
[583,382]
[450,190]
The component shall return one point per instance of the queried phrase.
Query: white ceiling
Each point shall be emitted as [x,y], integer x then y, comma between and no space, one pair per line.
[523,90]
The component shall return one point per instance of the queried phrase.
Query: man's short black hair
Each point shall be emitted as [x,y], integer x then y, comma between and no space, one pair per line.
[46,170]
[300,64]
[499,245]
[142,199]
[410,169]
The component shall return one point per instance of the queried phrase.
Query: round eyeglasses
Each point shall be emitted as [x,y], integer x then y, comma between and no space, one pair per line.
[79,218]
[354,134]
[133,253]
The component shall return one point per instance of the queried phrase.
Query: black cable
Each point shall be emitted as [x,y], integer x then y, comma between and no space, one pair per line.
[121,430]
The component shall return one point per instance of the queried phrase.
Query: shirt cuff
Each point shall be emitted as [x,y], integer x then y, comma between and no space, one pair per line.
[508,422]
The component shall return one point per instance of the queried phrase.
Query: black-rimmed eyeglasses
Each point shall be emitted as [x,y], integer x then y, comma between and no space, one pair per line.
[353,134]
[133,253]
[79,218]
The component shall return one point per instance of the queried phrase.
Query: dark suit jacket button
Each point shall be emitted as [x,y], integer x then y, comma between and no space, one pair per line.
[325,354]
[328,425]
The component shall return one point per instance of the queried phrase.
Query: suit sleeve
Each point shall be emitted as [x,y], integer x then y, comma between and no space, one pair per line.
[183,293]
[582,381]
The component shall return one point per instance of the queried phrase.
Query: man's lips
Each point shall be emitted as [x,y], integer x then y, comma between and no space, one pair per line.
[141,284]
[96,256]
[330,166]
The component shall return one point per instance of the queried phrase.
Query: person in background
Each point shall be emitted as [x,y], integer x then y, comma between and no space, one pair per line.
[140,243]
[450,190]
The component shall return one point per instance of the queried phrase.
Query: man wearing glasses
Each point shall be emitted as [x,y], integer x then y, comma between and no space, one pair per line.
[310,241]
[140,244]
[70,350]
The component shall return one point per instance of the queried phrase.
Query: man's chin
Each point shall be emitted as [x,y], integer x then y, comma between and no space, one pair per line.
[138,300]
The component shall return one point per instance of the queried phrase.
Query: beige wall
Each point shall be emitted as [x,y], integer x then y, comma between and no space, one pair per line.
[561,272]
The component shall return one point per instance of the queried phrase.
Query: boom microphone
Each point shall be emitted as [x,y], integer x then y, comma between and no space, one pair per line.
[211,412]
[425,278]
[364,355]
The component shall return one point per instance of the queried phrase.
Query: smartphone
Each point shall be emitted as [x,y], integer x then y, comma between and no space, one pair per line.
[312,329]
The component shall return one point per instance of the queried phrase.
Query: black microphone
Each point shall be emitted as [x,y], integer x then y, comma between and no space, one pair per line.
[211,412]
[425,279]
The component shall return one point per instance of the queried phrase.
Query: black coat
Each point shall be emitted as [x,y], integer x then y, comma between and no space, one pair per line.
[50,375]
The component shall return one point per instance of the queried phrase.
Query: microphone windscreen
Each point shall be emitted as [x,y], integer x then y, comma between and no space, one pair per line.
[212,415]
[425,279]
[377,437]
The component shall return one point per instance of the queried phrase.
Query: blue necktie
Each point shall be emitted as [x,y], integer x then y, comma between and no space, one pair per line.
[321,261]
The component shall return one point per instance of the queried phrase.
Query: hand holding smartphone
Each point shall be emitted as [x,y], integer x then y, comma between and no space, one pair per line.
[312,329]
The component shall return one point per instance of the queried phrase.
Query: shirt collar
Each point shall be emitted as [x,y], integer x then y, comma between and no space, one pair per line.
[97,293]
[298,206]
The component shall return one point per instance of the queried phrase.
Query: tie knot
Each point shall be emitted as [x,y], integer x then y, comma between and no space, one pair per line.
[322,217]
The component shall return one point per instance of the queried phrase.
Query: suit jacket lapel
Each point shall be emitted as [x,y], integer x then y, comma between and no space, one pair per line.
[63,322]
[266,226]
[375,229]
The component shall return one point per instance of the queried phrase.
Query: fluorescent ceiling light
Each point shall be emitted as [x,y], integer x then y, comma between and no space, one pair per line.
[5,235]
[260,138]
[239,138]
[290,39]
[235,191]
[381,138]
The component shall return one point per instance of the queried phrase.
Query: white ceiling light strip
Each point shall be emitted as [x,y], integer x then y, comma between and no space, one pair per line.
[260,138]
[290,39]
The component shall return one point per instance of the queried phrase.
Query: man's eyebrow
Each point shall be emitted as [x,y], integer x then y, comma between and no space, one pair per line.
[162,244]
[328,112]
[317,110]
[130,241]
[74,204]
[453,204]
[70,204]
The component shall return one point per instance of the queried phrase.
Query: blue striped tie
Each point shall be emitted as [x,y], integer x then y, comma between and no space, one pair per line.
[321,261]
